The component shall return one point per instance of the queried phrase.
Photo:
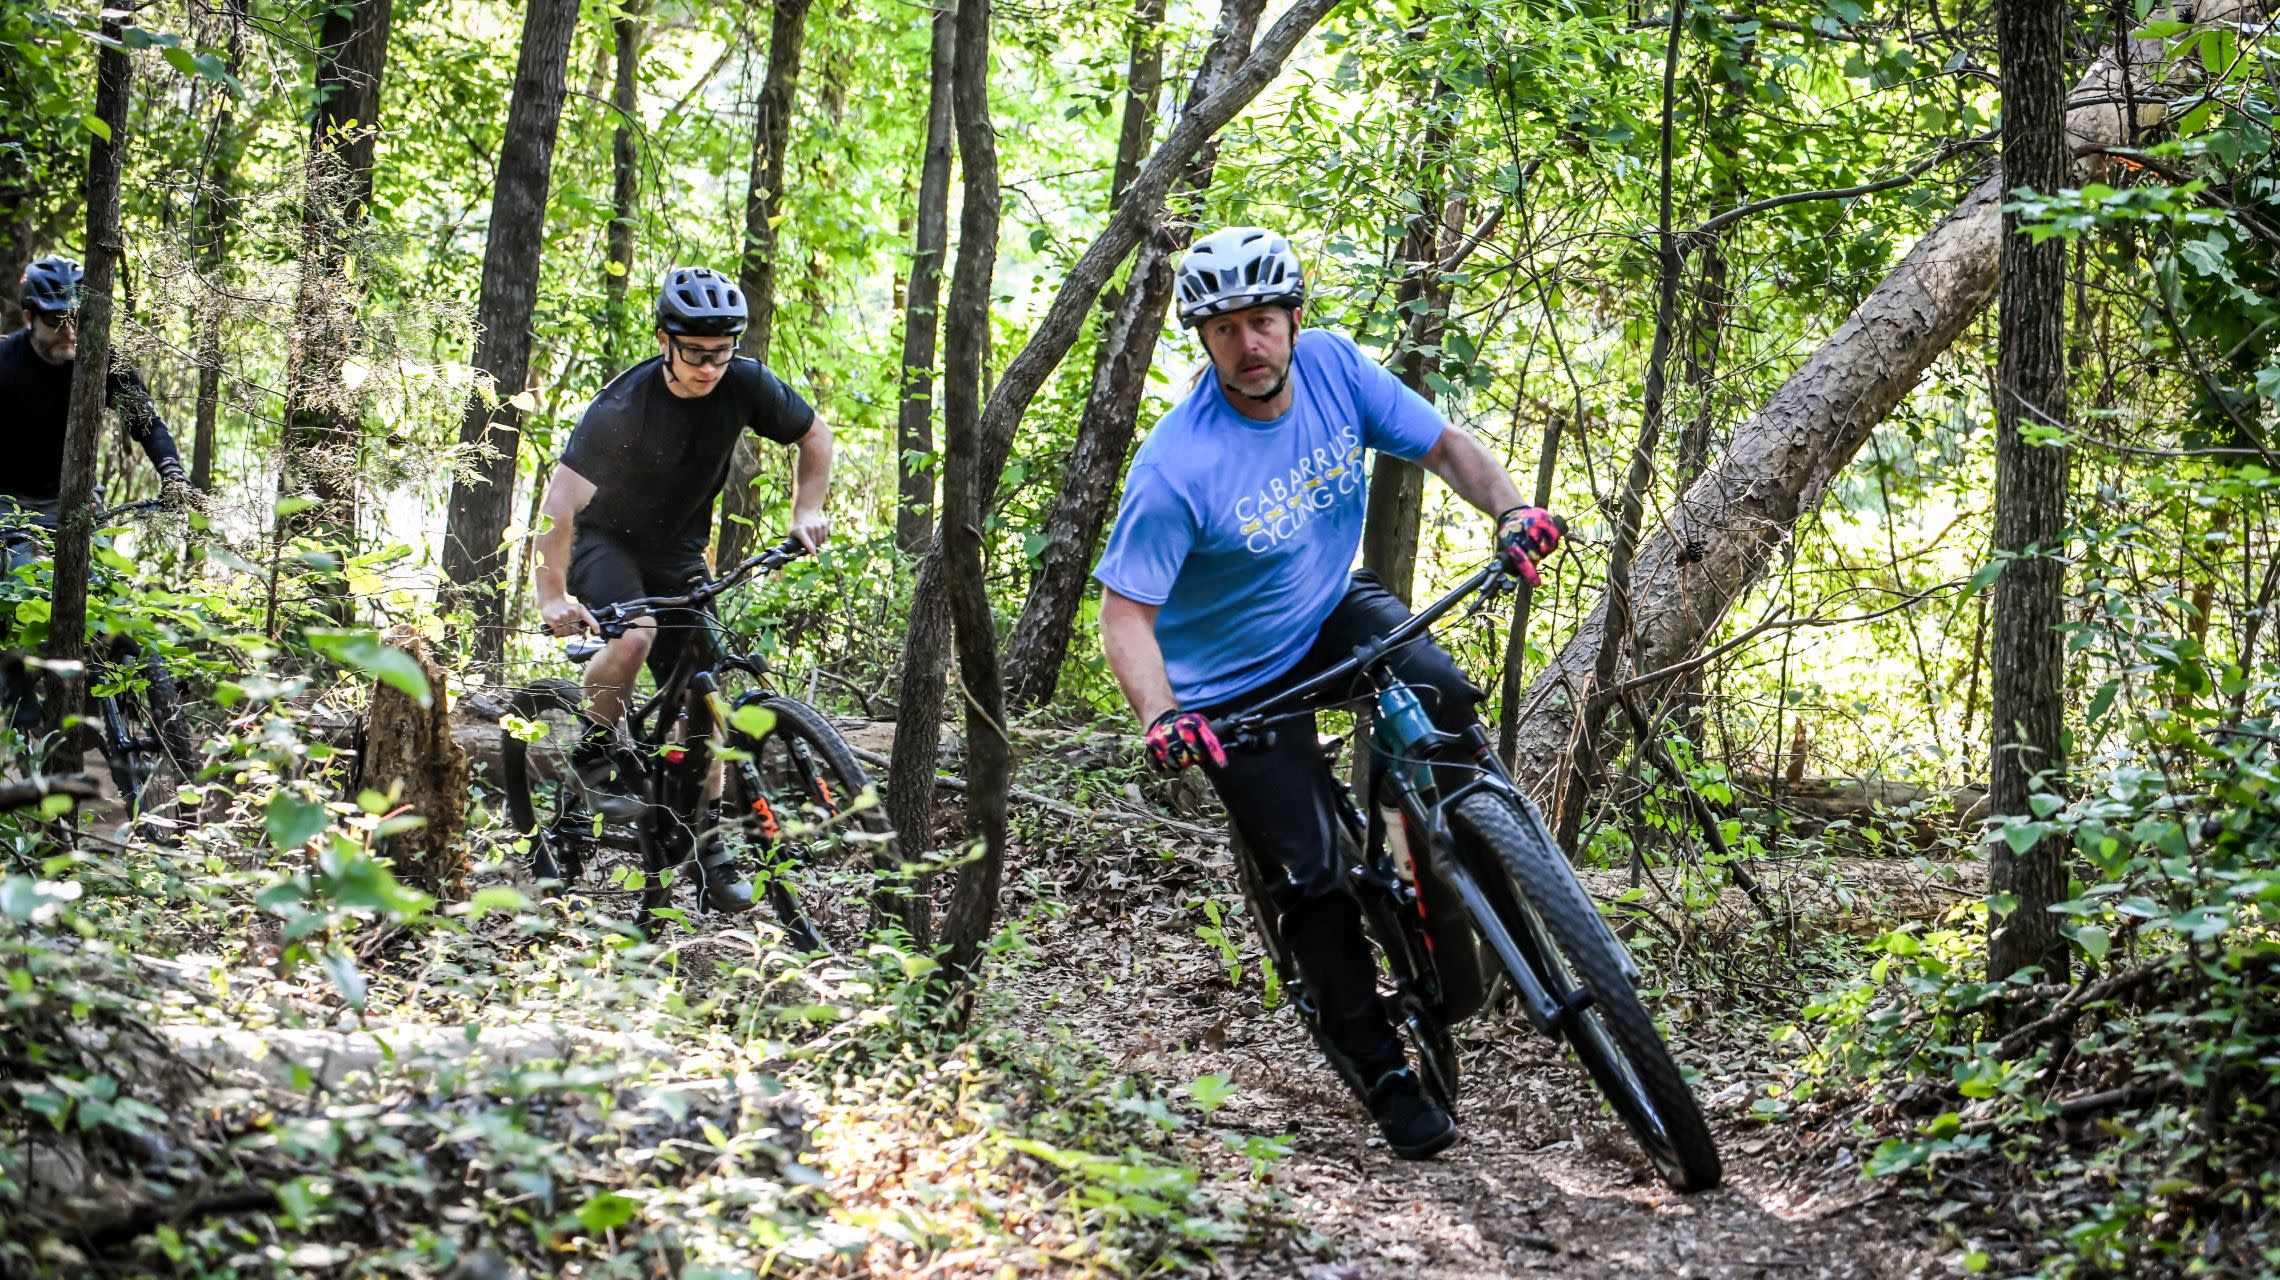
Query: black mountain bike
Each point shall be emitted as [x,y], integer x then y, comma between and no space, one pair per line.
[134,710]
[1456,883]
[796,807]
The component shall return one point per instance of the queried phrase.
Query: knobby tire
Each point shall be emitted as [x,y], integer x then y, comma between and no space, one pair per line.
[1613,1036]
[812,745]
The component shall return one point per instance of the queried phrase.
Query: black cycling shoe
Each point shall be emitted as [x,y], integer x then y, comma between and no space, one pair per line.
[1415,1126]
[726,889]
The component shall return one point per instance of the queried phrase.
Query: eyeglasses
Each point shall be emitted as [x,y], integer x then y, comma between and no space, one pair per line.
[67,320]
[704,357]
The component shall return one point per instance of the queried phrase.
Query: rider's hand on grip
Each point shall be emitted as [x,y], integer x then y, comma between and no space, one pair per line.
[1180,738]
[1524,537]
[566,617]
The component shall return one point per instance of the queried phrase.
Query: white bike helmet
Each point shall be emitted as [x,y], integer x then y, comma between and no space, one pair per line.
[1238,267]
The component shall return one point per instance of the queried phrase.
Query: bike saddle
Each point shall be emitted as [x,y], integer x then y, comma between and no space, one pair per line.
[582,649]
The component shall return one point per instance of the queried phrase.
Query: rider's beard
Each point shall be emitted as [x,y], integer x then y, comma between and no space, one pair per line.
[1263,383]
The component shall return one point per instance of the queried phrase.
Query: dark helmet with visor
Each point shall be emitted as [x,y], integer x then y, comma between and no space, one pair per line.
[699,302]
[51,286]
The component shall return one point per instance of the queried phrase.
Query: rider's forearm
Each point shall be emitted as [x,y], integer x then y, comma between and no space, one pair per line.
[140,414]
[811,478]
[1466,465]
[1128,635]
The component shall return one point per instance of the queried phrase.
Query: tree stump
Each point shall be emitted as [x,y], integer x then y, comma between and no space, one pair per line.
[409,744]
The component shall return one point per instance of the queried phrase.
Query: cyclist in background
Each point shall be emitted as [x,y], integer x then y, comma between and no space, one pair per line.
[631,504]
[1229,575]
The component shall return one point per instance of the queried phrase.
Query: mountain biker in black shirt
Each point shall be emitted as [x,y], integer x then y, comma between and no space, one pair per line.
[35,386]
[631,501]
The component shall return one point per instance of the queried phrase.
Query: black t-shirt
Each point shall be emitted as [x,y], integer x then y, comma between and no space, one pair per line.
[657,460]
[35,397]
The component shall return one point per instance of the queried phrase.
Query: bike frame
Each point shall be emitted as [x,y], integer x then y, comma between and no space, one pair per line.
[1403,754]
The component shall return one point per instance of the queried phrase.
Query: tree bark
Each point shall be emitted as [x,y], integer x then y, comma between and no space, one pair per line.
[989,755]
[1396,501]
[90,376]
[625,178]
[1135,323]
[1584,765]
[210,239]
[771,137]
[408,748]
[474,560]
[322,414]
[914,412]
[1726,527]
[919,724]
[2026,661]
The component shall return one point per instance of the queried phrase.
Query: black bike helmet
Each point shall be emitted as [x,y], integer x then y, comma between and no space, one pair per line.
[51,286]
[699,302]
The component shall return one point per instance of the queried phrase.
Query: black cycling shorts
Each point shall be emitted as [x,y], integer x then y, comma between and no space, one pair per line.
[606,570]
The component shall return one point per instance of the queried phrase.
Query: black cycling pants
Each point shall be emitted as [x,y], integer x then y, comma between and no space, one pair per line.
[1283,801]
[607,570]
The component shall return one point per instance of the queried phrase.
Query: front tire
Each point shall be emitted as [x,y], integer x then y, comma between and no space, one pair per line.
[1609,1028]
[815,837]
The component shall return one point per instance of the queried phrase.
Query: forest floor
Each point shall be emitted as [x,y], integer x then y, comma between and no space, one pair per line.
[1544,1181]
[1126,1099]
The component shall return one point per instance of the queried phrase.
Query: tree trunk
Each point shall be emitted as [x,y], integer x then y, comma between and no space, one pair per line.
[409,750]
[1112,407]
[473,558]
[625,179]
[1396,501]
[1719,537]
[210,239]
[771,137]
[322,412]
[989,755]
[1584,765]
[914,413]
[919,724]
[90,375]
[1523,602]
[2026,662]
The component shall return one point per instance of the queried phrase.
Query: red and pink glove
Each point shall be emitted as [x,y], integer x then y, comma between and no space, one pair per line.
[1181,738]
[1524,537]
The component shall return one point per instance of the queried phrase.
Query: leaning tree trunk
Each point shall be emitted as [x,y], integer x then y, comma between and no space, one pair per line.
[474,559]
[914,408]
[90,375]
[625,179]
[210,238]
[322,412]
[918,724]
[2026,663]
[989,755]
[1718,538]
[771,137]
[1112,407]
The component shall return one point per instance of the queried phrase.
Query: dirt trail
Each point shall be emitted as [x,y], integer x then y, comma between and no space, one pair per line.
[1542,1183]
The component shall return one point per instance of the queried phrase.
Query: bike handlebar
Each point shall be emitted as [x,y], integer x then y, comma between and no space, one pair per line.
[613,619]
[1243,730]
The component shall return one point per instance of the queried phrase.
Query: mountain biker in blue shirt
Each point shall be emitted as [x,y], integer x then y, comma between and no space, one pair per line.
[1229,574]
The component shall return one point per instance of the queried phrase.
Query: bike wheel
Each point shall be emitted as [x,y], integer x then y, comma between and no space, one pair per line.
[146,739]
[811,831]
[1550,915]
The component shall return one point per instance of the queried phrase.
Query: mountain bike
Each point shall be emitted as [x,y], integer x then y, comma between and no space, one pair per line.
[134,710]
[1450,884]
[796,808]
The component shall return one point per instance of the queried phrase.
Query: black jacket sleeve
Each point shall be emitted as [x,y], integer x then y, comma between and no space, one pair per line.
[132,399]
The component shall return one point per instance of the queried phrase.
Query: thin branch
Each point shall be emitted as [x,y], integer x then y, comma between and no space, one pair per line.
[1913,172]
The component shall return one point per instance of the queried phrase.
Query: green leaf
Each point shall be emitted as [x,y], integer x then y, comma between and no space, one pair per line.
[2045,804]
[96,125]
[292,822]
[55,806]
[1985,578]
[181,60]
[607,1210]
[752,720]
[2022,836]
[288,507]
[340,967]
[365,652]
[495,898]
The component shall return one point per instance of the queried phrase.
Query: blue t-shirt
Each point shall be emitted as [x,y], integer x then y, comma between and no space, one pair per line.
[1245,531]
